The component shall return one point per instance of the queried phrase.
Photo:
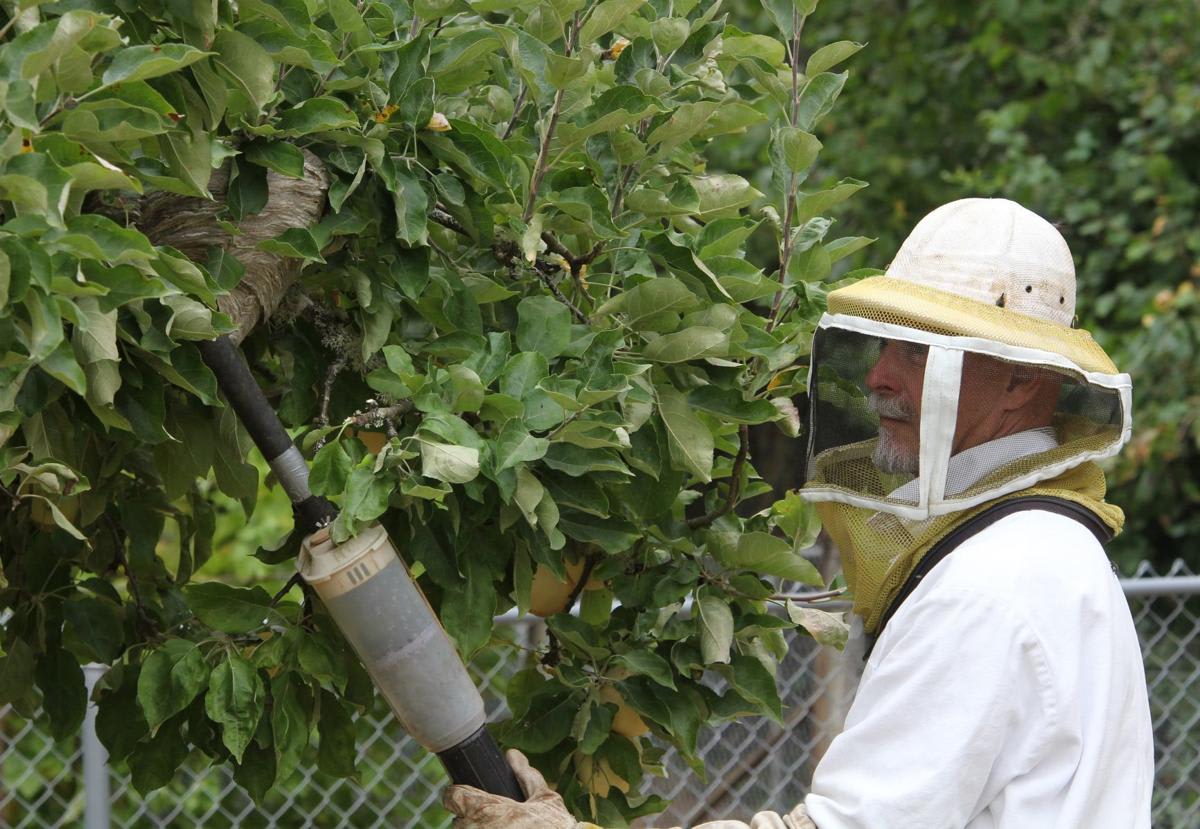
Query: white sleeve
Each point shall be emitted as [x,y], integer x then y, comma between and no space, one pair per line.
[956,701]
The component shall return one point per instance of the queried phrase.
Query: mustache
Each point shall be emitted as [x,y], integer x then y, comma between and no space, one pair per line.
[889,407]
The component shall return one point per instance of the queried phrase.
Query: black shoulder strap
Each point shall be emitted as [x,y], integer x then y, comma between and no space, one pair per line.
[981,521]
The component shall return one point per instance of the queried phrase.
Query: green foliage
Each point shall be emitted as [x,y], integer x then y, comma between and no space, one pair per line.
[527,338]
[1087,116]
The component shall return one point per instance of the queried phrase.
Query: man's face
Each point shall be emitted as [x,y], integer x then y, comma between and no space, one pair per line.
[895,383]
[990,403]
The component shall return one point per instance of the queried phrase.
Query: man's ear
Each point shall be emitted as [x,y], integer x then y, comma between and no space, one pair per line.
[1027,385]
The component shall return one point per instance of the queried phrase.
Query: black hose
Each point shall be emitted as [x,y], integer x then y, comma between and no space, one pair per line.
[244,394]
[477,761]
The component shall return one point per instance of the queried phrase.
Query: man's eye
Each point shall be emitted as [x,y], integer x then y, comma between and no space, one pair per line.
[914,351]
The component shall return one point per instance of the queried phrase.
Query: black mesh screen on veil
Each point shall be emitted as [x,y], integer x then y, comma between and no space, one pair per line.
[845,424]
[1013,423]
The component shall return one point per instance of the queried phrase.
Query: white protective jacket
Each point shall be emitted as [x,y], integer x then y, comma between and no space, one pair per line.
[1007,692]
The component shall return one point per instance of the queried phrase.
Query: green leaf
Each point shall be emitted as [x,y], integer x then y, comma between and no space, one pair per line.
[830,55]
[689,439]
[815,204]
[689,344]
[649,302]
[605,17]
[543,325]
[317,115]
[248,65]
[64,695]
[766,554]
[754,682]
[153,762]
[96,624]
[290,722]
[825,627]
[515,445]
[648,663]
[135,63]
[235,701]
[799,149]
[739,45]
[366,495]
[117,245]
[723,192]
[171,677]
[330,469]
[612,534]
[294,243]
[335,735]
[280,156]
[468,609]
[684,122]
[816,100]
[449,463]
[412,210]
[544,727]
[229,609]
[714,621]
[16,672]
[729,404]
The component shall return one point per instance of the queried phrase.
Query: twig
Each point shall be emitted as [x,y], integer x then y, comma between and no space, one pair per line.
[415,28]
[539,170]
[789,208]
[517,107]
[287,588]
[384,414]
[331,374]
[808,597]
[735,483]
[144,623]
[440,215]
[554,650]
[561,297]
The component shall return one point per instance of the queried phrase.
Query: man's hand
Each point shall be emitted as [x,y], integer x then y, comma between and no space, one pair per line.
[542,809]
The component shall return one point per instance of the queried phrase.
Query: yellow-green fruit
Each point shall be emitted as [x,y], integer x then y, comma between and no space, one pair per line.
[599,778]
[374,441]
[41,514]
[548,595]
[627,722]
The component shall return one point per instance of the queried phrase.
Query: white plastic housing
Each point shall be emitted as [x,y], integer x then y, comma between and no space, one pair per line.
[387,620]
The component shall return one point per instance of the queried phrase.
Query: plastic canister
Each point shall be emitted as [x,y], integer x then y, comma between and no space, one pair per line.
[389,623]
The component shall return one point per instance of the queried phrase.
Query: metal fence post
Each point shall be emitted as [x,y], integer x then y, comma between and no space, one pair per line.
[95,759]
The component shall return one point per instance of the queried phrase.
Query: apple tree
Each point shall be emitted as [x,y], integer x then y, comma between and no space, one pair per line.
[476,256]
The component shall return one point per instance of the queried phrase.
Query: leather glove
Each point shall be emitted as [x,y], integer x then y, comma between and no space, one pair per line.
[542,809]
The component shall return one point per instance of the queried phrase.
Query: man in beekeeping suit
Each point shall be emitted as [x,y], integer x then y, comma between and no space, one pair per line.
[956,418]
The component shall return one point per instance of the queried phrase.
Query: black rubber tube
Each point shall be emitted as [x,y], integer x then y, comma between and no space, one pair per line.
[244,394]
[477,761]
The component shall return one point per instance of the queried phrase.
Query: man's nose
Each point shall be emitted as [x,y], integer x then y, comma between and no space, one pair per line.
[882,377]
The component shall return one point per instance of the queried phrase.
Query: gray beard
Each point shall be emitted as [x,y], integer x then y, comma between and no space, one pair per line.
[893,459]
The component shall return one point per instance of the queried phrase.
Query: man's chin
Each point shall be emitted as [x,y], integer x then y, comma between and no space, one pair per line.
[895,460]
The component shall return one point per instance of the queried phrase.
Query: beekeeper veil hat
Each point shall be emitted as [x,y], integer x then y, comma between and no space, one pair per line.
[954,380]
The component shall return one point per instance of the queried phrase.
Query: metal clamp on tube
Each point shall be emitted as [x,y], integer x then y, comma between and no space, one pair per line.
[387,620]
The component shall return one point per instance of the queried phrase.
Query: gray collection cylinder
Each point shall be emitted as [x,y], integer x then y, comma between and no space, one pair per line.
[389,623]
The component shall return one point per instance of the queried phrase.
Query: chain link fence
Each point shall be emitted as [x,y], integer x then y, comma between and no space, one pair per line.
[752,764]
